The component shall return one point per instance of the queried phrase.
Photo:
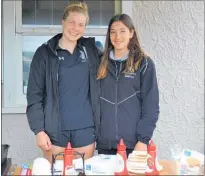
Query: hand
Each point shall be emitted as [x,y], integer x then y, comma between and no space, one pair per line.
[140,146]
[43,141]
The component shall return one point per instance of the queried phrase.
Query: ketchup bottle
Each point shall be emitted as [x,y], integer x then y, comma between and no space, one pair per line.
[28,173]
[68,158]
[151,161]
[121,166]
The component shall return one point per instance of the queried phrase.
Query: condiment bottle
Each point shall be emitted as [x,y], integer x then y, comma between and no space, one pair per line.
[121,160]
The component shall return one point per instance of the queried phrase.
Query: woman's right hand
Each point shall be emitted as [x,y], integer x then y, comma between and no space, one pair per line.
[43,141]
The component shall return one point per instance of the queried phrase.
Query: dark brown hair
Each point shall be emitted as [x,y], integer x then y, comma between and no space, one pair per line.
[135,54]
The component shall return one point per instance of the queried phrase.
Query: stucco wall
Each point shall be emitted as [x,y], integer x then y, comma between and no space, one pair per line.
[16,133]
[173,34]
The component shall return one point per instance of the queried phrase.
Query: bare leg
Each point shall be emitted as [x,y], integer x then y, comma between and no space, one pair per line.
[87,150]
[54,150]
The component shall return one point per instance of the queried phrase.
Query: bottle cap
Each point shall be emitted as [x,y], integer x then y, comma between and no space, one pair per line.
[68,149]
[151,146]
[121,146]
[69,146]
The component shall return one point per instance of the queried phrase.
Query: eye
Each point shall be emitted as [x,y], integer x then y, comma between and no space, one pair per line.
[81,25]
[112,32]
[122,31]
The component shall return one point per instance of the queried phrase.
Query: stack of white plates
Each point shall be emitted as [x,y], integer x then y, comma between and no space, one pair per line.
[137,162]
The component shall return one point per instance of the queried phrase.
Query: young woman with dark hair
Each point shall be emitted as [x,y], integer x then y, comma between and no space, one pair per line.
[129,98]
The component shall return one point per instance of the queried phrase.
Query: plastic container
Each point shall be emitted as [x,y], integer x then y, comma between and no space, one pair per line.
[152,160]
[68,159]
[121,160]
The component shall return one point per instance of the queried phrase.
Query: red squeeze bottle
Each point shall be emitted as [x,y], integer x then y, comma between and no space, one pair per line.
[28,173]
[121,166]
[151,161]
[68,158]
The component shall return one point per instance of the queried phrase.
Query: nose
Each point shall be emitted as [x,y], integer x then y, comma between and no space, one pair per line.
[75,27]
[117,36]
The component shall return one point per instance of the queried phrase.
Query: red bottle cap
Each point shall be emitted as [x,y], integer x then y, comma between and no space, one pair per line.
[68,146]
[121,146]
[68,149]
[151,146]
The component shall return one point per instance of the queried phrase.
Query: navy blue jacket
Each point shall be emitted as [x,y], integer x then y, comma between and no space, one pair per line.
[129,105]
[42,93]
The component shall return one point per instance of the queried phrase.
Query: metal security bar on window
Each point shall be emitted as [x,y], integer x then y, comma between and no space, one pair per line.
[44,13]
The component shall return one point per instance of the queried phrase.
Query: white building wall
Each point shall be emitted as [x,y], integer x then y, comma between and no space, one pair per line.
[16,133]
[172,33]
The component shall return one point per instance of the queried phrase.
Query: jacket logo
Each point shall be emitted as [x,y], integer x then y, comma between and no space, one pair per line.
[130,75]
[82,56]
[61,58]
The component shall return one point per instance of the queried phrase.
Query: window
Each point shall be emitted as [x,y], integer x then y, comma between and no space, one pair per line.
[29,23]
[40,15]
[29,46]
[43,16]
[49,13]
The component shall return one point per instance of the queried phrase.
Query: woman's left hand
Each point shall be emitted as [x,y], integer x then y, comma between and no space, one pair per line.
[140,146]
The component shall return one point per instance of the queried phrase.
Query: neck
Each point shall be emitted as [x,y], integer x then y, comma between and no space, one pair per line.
[120,53]
[67,44]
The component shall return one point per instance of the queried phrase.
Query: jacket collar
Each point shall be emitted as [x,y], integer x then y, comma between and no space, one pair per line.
[112,56]
[53,42]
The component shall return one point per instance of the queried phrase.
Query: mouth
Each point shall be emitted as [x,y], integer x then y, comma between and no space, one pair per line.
[118,42]
[74,34]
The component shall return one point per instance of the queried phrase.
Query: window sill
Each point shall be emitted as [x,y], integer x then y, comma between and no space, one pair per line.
[17,110]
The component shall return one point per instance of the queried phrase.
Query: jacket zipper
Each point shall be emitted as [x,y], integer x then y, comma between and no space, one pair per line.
[116,87]
[116,94]
[57,92]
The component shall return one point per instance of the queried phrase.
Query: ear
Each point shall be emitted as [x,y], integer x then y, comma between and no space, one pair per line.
[131,33]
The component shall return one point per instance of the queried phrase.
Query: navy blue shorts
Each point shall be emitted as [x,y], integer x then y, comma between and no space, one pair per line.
[77,138]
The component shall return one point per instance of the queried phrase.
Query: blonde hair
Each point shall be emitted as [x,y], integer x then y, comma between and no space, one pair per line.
[76,7]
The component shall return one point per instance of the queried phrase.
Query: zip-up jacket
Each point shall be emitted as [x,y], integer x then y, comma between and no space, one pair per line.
[129,105]
[42,93]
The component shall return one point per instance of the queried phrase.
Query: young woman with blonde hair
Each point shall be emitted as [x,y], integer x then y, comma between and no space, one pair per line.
[60,87]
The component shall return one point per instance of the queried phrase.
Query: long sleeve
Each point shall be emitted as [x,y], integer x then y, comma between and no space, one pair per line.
[149,101]
[36,92]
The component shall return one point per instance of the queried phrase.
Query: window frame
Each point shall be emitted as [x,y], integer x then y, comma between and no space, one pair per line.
[49,30]
[14,100]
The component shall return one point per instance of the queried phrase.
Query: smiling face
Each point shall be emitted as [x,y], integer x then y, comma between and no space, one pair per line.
[120,36]
[74,26]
